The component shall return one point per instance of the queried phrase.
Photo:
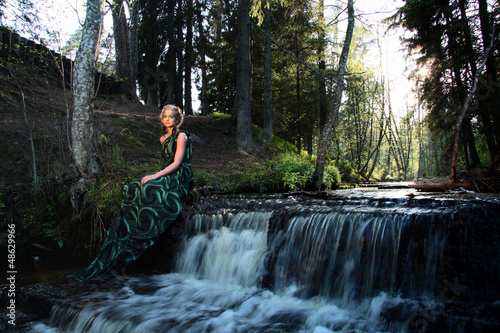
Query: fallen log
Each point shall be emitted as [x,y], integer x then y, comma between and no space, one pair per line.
[442,184]
[484,182]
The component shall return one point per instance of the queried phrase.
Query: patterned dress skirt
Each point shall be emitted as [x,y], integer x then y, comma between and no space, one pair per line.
[146,212]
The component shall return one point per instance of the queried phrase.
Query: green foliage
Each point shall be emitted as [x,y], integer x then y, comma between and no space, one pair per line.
[278,145]
[386,174]
[203,178]
[103,139]
[219,182]
[258,177]
[50,227]
[295,171]
[283,144]
[331,177]
[105,196]
[346,170]
[289,172]
[57,234]
[39,215]
[219,115]
[11,196]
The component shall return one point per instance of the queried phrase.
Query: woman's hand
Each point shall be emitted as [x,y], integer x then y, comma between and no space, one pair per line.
[148,178]
[179,156]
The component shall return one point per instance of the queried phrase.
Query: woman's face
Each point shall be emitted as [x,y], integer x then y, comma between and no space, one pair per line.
[169,118]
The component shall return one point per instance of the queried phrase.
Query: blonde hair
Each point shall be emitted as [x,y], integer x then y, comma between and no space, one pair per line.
[180,116]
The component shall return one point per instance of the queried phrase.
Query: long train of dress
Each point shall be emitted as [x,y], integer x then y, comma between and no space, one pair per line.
[146,212]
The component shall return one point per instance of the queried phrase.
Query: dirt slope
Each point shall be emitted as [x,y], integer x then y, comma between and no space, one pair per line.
[33,102]
[214,144]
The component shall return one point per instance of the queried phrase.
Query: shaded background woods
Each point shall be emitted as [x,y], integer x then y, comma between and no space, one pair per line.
[179,45]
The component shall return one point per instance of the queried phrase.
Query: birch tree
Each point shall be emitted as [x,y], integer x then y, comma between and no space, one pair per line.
[83,93]
[332,115]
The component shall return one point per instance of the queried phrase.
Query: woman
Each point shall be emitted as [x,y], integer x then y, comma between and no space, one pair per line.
[149,205]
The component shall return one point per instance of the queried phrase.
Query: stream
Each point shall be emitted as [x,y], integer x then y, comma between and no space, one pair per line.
[364,260]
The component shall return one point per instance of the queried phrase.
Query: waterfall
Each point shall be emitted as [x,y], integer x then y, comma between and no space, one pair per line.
[355,254]
[232,254]
[354,263]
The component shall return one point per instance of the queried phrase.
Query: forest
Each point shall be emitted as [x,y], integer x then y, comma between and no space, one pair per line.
[293,57]
[307,75]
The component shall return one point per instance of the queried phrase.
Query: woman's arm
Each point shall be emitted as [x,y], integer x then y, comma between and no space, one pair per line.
[179,156]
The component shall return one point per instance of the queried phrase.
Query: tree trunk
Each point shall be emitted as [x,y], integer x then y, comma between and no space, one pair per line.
[322,64]
[30,128]
[203,65]
[83,93]
[218,57]
[374,154]
[244,137]
[133,49]
[409,133]
[122,47]
[397,144]
[298,103]
[490,110]
[171,53]
[153,47]
[268,112]
[465,109]
[332,116]
[204,84]
[470,143]
[179,77]
[188,106]
[454,50]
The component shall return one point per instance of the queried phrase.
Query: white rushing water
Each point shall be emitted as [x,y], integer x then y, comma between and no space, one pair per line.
[183,303]
[320,271]
[232,255]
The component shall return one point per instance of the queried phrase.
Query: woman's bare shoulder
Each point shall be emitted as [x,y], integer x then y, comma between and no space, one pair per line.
[163,138]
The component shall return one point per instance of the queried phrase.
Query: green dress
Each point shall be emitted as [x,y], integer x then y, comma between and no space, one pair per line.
[147,210]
